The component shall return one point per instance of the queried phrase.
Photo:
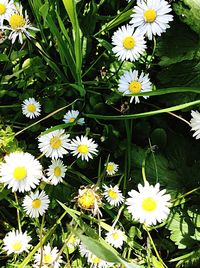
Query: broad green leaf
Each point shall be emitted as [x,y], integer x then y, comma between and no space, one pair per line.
[189,12]
[103,250]
[171,50]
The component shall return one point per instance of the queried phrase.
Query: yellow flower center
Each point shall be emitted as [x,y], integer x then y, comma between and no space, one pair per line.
[96,259]
[19,173]
[149,204]
[47,258]
[112,194]
[55,142]
[150,15]
[110,167]
[87,199]
[129,42]
[16,21]
[57,171]
[83,149]
[36,203]
[115,236]
[72,239]
[31,108]
[135,87]
[2,9]
[17,245]
[71,120]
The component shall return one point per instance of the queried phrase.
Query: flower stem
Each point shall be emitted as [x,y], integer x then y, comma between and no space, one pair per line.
[154,247]
[18,215]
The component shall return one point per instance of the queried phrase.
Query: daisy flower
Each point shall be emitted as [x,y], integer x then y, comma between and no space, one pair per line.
[72,241]
[84,252]
[18,25]
[111,168]
[36,204]
[71,117]
[115,238]
[20,171]
[97,262]
[149,205]
[151,17]
[49,257]
[195,124]
[83,147]
[31,108]
[132,83]
[56,172]
[113,195]
[89,199]
[16,242]
[6,9]
[128,45]
[54,144]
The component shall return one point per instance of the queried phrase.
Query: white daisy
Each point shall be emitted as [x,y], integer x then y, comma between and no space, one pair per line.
[6,9]
[97,262]
[195,124]
[149,205]
[151,17]
[128,45]
[132,83]
[56,172]
[20,171]
[84,252]
[54,144]
[36,204]
[49,257]
[113,195]
[16,242]
[83,147]
[72,241]
[115,237]
[71,117]
[18,25]
[31,108]
[111,168]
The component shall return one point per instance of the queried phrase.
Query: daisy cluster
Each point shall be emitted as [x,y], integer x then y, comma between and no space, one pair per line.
[24,174]
[14,19]
[150,18]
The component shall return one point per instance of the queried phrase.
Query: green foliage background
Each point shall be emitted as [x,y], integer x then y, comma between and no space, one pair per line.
[69,64]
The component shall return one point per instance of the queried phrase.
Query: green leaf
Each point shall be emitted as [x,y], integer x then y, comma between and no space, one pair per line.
[183,230]
[189,12]
[171,50]
[156,262]
[4,57]
[44,9]
[191,259]
[145,114]
[104,251]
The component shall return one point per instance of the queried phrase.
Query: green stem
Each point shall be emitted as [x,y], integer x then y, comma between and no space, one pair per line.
[49,233]
[41,248]
[118,216]
[18,215]
[128,154]
[154,247]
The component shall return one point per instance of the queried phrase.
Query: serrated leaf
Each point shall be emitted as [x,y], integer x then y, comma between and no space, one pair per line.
[175,46]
